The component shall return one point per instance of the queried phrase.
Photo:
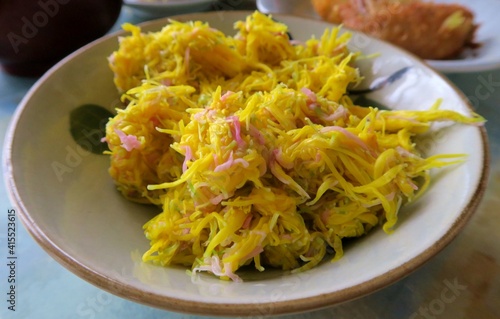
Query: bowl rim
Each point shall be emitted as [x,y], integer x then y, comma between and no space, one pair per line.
[132,293]
[164,4]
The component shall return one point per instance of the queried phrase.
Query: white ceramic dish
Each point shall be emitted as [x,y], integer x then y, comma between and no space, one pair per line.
[69,204]
[487,57]
[163,8]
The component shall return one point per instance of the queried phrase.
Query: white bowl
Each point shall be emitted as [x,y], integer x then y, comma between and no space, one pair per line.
[68,202]
[163,8]
[487,56]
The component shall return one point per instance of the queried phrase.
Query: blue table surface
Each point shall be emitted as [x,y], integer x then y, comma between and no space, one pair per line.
[471,262]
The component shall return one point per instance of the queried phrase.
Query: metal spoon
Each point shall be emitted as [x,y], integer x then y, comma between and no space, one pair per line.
[381,82]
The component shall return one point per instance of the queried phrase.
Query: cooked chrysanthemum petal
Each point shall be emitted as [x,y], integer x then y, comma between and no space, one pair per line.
[253,150]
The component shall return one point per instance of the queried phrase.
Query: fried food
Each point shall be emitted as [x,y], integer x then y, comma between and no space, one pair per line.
[430,30]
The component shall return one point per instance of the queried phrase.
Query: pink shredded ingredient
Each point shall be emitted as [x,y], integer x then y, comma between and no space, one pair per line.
[187,57]
[296,42]
[213,265]
[226,164]
[254,132]
[167,82]
[216,159]
[237,129]
[324,216]
[230,274]
[246,223]
[413,185]
[241,161]
[272,166]
[112,59]
[198,116]
[216,266]
[278,155]
[404,152]
[318,158]
[224,97]
[129,142]
[187,157]
[339,113]
[217,199]
[202,184]
[390,196]
[195,32]
[155,121]
[312,106]
[230,162]
[311,96]
[257,250]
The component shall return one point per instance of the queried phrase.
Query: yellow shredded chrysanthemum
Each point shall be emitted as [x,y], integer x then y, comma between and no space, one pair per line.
[253,149]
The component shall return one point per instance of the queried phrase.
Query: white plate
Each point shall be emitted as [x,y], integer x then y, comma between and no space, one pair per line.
[162,8]
[487,57]
[69,204]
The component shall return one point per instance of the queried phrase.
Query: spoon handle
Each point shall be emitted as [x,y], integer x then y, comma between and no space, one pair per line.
[381,82]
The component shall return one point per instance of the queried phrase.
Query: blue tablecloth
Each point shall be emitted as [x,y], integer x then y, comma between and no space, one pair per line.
[467,270]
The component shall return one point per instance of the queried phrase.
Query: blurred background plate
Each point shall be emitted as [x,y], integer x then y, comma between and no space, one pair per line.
[160,8]
[485,58]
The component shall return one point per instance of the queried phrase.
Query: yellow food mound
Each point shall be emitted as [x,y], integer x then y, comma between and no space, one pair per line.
[253,148]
